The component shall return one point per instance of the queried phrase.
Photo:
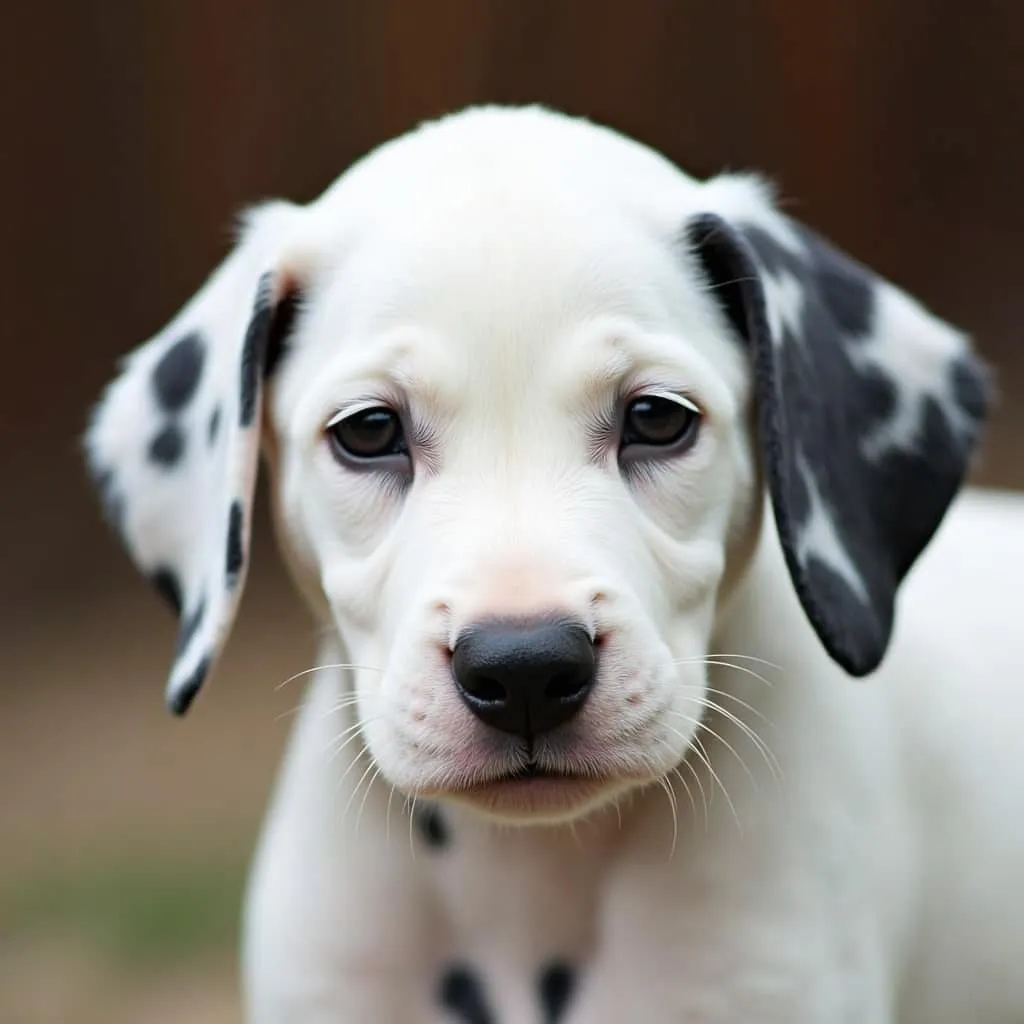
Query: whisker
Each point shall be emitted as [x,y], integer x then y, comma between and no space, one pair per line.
[333,747]
[694,658]
[387,817]
[412,815]
[362,803]
[676,773]
[319,668]
[347,701]
[697,746]
[762,748]
[742,703]
[746,657]
[663,783]
[721,739]
[720,663]
[355,789]
[700,786]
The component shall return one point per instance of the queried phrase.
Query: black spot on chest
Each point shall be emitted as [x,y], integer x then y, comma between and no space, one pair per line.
[461,992]
[556,985]
[432,827]
[176,375]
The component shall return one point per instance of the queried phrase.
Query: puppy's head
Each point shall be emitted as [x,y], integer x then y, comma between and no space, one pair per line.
[521,383]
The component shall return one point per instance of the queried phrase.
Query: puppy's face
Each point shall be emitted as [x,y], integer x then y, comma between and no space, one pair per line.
[513,450]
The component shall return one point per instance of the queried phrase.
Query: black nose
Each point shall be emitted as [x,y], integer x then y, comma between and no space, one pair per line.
[524,677]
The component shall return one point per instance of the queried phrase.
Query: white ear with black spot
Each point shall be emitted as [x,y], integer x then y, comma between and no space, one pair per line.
[869,409]
[174,443]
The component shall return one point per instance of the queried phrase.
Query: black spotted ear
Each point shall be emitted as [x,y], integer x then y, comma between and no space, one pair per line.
[869,408]
[174,444]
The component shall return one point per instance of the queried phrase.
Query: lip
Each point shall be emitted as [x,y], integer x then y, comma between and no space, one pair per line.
[535,793]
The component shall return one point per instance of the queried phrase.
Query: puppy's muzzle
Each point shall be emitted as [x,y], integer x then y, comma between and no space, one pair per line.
[524,677]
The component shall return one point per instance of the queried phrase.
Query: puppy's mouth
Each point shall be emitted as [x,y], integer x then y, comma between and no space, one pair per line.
[534,771]
[535,793]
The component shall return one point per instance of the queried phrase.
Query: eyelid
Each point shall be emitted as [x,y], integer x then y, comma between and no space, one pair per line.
[671,396]
[352,409]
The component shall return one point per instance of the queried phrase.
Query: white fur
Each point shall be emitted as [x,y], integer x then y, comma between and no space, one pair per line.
[801,848]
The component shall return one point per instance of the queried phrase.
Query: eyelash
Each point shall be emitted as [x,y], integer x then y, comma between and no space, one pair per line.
[609,420]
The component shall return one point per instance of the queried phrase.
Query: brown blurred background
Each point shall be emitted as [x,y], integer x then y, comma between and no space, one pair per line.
[133,132]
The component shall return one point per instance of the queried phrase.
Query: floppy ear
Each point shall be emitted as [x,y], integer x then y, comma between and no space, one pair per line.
[868,407]
[174,443]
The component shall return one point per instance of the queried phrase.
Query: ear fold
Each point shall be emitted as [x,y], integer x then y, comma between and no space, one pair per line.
[174,444]
[869,408]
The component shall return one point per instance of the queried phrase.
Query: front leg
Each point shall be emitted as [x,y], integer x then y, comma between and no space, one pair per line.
[729,929]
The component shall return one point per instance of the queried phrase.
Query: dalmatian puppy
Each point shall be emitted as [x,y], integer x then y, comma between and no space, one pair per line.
[602,482]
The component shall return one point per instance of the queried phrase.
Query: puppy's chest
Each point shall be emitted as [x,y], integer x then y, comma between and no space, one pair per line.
[516,913]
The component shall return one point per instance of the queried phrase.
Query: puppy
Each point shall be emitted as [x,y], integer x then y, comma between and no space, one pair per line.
[602,481]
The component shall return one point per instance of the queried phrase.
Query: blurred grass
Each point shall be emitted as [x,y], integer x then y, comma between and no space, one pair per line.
[134,914]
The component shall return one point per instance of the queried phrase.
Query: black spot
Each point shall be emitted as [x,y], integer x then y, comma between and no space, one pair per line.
[235,553]
[776,258]
[462,993]
[714,247]
[879,394]
[816,404]
[280,329]
[184,693]
[853,625]
[254,350]
[188,629]
[167,447]
[167,584]
[556,986]
[432,827]
[265,342]
[972,387]
[177,374]
[213,429]
[847,287]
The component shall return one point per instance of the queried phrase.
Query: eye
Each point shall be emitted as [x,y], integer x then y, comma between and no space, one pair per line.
[659,421]
[368,435]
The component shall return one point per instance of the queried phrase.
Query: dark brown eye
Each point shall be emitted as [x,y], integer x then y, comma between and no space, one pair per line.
[652,421]
[369,434]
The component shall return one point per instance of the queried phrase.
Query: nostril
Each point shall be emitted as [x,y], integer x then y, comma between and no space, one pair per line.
[486,689]
[567,686]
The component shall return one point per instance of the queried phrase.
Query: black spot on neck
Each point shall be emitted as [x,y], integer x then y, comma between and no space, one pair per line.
[432,827]
[176,375]
[167,448]
[556,985]
[235,553]
[462,993]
